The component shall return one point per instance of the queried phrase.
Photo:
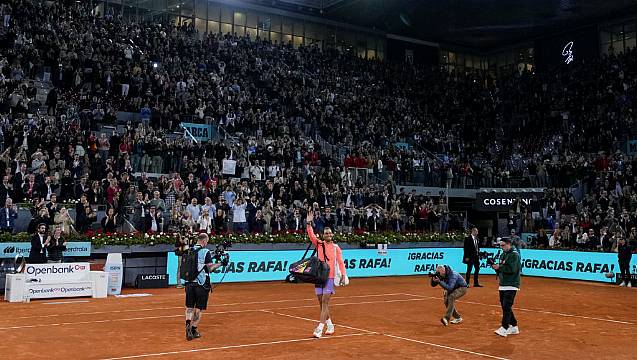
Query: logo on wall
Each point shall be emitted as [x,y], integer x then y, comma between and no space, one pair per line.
[567,52]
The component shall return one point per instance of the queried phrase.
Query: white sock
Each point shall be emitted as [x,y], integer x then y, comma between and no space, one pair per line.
[329,322]
[320,326]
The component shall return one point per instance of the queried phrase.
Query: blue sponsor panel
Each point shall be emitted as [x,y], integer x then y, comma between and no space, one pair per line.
[201,132]
[73,249]
[273,265]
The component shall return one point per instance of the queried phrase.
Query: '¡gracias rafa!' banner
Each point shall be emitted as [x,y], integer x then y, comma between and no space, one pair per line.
[273,265]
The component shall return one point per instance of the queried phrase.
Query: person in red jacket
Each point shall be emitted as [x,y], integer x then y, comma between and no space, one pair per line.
[334,258]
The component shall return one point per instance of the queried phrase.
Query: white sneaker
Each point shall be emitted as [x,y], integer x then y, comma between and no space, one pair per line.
[629,285]
[513,330]
[622,284]
[318,332]
[501,331]
[456,321]
[329,330]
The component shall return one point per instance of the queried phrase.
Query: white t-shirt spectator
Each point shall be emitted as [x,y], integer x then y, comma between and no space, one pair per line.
[273,170]
[239,213]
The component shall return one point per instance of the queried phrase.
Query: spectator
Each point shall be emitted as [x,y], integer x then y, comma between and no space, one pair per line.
[239,222]
[110,222]
[64,222]
[9,215]
[39,243]
[194,209]
[153,222]
[56,245]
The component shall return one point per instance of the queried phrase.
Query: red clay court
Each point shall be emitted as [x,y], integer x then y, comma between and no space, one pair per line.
[375,318]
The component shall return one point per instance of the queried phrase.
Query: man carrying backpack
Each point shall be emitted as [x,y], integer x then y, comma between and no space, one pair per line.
[195,270]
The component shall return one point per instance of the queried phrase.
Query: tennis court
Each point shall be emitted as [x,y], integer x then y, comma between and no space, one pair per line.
[375,318]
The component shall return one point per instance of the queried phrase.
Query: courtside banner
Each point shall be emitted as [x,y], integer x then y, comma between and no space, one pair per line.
[58,273]
[273,265]
[41,291]
[73,249]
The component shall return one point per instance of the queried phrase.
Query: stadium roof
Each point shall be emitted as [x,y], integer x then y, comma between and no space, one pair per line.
[473,23]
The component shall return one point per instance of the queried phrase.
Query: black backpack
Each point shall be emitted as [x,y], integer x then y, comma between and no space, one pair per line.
[310,270]
[190,265]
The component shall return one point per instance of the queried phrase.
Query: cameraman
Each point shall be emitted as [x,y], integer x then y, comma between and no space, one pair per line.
[455,287]
[197,291]
[508,270]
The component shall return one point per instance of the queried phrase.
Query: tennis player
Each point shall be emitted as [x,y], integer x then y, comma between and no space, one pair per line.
[197,291]
[325,292]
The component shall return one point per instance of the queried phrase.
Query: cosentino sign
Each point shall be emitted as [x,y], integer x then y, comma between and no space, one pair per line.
[499,201]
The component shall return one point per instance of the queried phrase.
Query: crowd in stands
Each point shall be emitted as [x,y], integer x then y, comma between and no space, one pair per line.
[282,112]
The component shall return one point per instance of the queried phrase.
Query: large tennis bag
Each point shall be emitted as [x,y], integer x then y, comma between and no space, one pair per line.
[310,270]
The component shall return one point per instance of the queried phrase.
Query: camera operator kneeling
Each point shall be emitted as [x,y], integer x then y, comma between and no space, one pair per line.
[455,287]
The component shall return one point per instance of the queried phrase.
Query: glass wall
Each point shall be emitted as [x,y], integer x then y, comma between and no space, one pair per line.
[616,38]
[501,61]
[217,17]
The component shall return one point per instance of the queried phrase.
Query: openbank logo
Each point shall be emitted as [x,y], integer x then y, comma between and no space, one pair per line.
[9,250]
[66,269]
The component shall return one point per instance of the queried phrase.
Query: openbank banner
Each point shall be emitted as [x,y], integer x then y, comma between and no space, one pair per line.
[64,272]
[273,265]
[39,291]
[73,249]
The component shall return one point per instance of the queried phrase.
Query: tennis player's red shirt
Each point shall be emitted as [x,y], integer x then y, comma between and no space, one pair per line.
[329,249]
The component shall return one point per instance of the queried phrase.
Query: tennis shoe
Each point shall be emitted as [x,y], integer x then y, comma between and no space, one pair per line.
[456,321]
[444,322]
[513,330]
[195,333]
[329,330]
[622,284]
[502,332]
[188,333]
[318,332]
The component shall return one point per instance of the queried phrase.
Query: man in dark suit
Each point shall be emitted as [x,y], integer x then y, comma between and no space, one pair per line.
[37,254]
[277,224]
[471,258]
[153,221]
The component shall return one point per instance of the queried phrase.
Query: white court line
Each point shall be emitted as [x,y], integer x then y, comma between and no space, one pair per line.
[181,307]
[351,303]
[64,302]
[115,320]
[445,347]
[531,310]
[306,319]
[394,337]
[231,347]
[207,313]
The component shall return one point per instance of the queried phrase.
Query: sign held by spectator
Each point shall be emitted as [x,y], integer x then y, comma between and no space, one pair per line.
[229,167]
[200,132]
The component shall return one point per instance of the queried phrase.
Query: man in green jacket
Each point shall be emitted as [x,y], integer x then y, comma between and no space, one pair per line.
[508,270]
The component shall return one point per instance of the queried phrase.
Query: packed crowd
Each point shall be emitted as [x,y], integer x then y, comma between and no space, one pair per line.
[273,103]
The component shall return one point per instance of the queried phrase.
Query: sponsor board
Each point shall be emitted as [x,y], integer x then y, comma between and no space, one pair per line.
[149,281]
[500,201]
[273,265]
[73,249]
[49,273]
[201,132]
[40,291]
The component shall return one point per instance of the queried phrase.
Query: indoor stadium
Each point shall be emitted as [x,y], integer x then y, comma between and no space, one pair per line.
[338,179]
